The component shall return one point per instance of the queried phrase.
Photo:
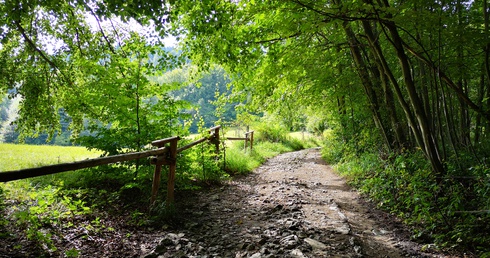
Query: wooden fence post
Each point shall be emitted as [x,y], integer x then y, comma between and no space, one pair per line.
[249,136]
[171,172]
[168,158]
[246,140]
[215,139]
[251,140]
[156,182]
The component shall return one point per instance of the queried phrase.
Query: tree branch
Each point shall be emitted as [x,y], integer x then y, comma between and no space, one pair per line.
[278,39]
[33,45]
[459,92]
[101,30]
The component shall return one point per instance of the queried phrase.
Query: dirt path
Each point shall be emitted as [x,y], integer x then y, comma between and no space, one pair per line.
[292,206]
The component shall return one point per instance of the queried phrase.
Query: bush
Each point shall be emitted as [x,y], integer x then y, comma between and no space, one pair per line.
[3,221]
[438,212]
[270,132]
[334,148]
[40,211]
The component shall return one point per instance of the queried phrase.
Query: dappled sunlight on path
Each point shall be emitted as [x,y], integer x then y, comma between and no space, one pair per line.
[292,206]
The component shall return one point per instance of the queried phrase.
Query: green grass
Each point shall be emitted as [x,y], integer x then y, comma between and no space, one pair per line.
[301,135]
[21,156]
[39,201]
[240,161]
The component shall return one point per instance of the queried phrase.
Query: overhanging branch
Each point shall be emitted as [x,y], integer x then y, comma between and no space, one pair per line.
[278,39]
[33,45]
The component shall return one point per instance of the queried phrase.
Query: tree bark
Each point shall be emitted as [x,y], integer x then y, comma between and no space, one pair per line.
[386,76]
[430,147]
[367,83]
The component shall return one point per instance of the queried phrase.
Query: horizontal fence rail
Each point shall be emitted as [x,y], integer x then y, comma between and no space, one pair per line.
[249,137]
[58,168]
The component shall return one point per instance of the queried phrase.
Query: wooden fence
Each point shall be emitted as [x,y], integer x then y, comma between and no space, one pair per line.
[165,154]
[249,137]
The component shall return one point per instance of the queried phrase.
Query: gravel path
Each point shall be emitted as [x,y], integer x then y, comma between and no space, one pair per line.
[292,206]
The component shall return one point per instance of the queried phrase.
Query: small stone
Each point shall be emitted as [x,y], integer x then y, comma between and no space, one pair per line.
[296,253]
[166,242]
[262,241]
[264,250]
[242,246]
[344,230]
[315,244]
[256,255]
[289,242]
[250,247]
[152,254]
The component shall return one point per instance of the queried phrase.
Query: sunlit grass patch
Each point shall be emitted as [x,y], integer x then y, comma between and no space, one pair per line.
[21,156]
[35,207]
[301,135]
[242,161]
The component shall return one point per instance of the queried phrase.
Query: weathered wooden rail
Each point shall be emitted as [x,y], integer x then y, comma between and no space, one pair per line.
[249,137]
[165,154]
[58,168]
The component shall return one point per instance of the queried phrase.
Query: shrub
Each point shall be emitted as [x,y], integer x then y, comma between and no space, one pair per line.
[270,132]
[438,211]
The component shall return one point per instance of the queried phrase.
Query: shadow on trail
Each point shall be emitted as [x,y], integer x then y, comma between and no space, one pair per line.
[292,206]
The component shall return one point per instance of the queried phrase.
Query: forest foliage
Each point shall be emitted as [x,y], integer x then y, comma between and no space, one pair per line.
[403,85]
[401,89]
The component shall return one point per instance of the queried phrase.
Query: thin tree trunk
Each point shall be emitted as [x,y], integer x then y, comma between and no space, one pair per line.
[138,117]
[464,123]
[486,16]
[430,147]
[401,138]
[478,125]
[439,105]
[366,82]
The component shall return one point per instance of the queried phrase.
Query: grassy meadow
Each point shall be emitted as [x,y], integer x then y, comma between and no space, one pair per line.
[21,156]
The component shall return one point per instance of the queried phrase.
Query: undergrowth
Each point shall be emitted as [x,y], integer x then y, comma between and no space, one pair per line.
[449,212]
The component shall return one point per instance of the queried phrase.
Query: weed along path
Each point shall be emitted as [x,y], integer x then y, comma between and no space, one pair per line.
[292,206]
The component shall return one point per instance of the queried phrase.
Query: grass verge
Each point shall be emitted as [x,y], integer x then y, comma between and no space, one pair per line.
[241,161]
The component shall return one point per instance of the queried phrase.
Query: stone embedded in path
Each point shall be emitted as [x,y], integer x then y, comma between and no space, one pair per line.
[256,255]
[315,244]
[289,242]
[296,253]
[344,229]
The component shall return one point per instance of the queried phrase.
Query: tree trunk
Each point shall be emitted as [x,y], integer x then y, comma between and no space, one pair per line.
[367,83]
[429,147]
[401,138]
[486,16]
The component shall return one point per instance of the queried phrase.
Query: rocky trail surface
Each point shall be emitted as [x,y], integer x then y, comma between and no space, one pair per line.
[292,206]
